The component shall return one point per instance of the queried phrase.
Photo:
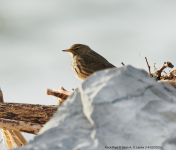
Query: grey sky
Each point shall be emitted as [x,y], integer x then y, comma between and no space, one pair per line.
[34,33]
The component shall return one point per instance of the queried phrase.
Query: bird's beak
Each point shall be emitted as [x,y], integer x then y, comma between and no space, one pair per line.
[67,50]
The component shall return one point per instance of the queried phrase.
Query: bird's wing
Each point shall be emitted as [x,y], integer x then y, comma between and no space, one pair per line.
[93,63]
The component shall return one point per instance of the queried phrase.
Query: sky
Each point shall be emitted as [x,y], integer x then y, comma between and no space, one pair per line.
[34,33]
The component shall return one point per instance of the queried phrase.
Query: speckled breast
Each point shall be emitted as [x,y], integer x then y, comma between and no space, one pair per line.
[76,66]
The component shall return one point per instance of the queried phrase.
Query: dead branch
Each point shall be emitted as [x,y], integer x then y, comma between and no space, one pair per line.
[165,65]
[148,66]
[61,94]
[1,96]
[20,137]
[13,138]
[17,140]
[169,76]
[6,135]
[21,126]
[173,72]
[27,112]
[123,64]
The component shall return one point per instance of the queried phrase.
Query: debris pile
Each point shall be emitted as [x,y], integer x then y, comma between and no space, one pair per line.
[167,77]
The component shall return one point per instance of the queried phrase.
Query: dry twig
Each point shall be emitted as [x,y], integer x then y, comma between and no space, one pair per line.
[122,63]
[154,67]
[165,65]
[148,66]
[61,94]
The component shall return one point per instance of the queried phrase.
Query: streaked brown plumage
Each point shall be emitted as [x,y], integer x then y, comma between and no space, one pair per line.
[85,61]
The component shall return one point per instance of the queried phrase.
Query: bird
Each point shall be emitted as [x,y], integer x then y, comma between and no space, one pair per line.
[85,61]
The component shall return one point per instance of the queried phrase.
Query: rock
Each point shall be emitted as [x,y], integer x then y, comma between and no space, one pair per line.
[112,108]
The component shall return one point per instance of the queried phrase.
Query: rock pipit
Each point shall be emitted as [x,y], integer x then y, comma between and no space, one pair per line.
[85,61]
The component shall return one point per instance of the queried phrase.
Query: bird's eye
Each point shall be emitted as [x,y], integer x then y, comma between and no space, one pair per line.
[77,49]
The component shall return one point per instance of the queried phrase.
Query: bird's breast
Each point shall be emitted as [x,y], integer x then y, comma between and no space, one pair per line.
[74,62]
[76,66]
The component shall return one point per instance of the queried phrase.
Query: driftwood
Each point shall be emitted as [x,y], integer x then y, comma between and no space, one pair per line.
[17,139]
[61,94]
[21,126]
[7,136]
[168,77]
[29,118]
[172,82]
[27,112]
[165,65]
[12,136]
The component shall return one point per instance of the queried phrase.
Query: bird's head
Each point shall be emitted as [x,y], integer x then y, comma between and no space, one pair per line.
[77,49]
